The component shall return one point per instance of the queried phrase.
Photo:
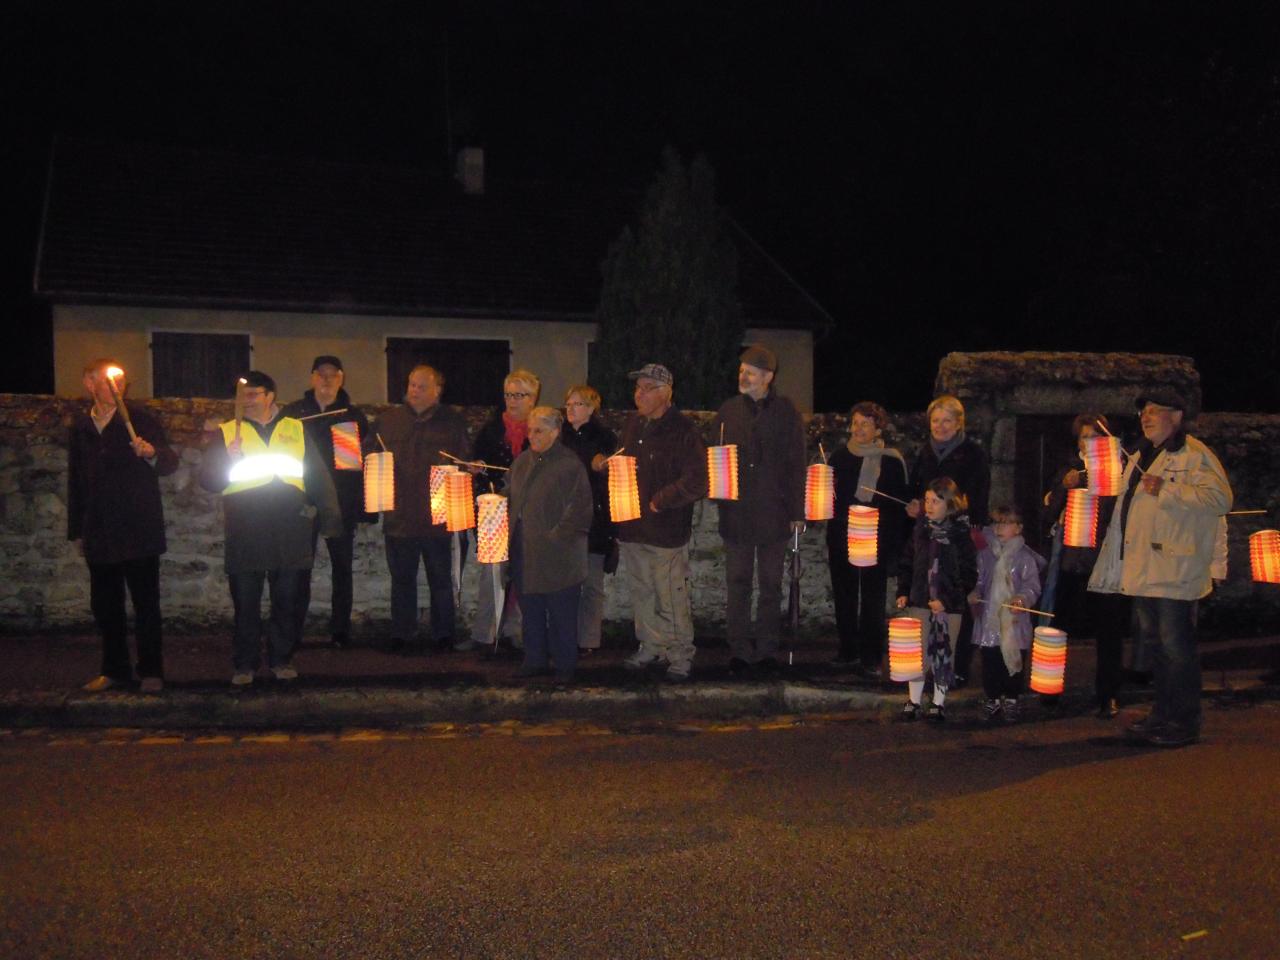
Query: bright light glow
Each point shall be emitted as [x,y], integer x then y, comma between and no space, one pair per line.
[114,372]
[266,465]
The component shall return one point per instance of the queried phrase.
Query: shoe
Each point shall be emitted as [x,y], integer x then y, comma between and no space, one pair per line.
[739,668]
[98,684]
[935,713]
[1108,709]
[676,675]
[341,641]
[1009,707]
[466,646]
[587,651]
[1171,736]
[151,685]
[959,681]
[242,678]
[993,708]
[910,713]
[1144,727]
[286,671]
[641,660]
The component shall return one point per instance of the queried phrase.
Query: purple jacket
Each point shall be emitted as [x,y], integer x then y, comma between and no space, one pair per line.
[1025,574]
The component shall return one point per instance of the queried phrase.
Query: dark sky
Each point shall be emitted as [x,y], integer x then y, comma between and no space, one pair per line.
[1003,175]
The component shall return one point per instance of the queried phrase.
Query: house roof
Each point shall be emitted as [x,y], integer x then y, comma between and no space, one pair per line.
[170,226]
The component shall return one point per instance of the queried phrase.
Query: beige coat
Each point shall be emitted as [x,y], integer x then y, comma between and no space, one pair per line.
[1169,539]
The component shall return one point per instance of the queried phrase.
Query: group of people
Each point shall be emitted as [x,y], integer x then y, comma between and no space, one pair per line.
[963,569]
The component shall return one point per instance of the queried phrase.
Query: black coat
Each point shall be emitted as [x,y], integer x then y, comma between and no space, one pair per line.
[957,566]
[1079,560]
[770,439]
[347,484]
[492,448]
[893,520]
[966,465]
[591,438]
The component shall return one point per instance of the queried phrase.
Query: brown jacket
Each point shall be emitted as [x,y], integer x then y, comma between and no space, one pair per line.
[671,471]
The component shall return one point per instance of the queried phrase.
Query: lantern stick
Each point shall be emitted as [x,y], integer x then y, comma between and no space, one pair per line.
[240,385]
[112,373]
[472,463]
[1014,606]
[722,434]
[1244,513]
[863,486]
[327,413]
[1103,427]
[822,452]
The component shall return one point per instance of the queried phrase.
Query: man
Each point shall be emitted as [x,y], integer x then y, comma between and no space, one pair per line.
[671,472]
[273,484]
[1159,550]
[327,396]
[416,433]
[114,511]
[757,526]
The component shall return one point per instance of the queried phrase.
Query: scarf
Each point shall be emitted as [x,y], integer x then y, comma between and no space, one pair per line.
[869,473]
[943,450]
[999,594]
[938,651]
[515,431]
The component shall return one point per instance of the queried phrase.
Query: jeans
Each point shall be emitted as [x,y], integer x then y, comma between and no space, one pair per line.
[745,563]
[1168,628]
[551,629]
[246,597]
[107,582]
[403,554]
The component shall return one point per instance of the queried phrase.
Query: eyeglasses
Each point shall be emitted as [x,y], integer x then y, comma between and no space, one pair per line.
[517,396]
[647,387]
[577,403]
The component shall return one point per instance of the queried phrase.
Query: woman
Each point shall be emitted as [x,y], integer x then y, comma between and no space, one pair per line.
[593,442]
[550,514]
[868,474]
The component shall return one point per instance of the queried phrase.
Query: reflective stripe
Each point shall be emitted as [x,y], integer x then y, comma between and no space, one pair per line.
[265,465]
[262,462]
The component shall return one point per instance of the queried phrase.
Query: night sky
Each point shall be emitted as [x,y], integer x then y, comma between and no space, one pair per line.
[940,176]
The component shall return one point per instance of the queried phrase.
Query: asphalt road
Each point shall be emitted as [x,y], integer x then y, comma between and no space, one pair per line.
[824,839]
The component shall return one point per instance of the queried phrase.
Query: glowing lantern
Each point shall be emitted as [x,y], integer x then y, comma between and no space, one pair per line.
[722,472]
[459,504]
[1264,556]
[906,649]
[863,522]
[624,492]
[1048,660]
[1106,470]
[379,483]
[1080,519]
[436,490]
[346,446]
[491,528]
[820,492]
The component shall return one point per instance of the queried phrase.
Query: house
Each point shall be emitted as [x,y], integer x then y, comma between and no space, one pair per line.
[189,266]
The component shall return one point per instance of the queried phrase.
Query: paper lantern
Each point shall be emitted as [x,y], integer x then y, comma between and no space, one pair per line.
[1104,466]
[1048,660]
[379,482]
[863,523]
[346,446]
[435,490]
[820,492]
[624,492]
[722,472]
[1264,556]
[491,528]
[1080,519]
[459,502]
[906,649]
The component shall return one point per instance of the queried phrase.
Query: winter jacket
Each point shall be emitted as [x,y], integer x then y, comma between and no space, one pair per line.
[347,484]
[957,565]
[491,447]
[1077,560]
[671,472]
[892,523]
[966,465]
[771,461]
[550,506]
[415,441]
[592,438]
[1025,574]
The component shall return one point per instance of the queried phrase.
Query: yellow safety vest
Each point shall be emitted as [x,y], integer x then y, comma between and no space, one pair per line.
[262,464]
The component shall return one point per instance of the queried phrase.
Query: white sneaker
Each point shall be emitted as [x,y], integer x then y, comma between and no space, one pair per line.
[242,678]
[642,660]
[285,672]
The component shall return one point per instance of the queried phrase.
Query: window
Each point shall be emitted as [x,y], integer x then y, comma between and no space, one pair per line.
[473,369]
[198,364]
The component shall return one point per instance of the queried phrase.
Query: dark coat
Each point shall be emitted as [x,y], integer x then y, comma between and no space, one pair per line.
[347,484]
[671,472]
[1079,560]
[492,448]
[551,506]
[415,440]
[957,566]
[771,466]
[966,465]
[594,437]
[113,496]
[893,522]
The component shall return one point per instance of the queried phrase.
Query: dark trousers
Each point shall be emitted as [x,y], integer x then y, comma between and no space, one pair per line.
[744,565]
[403,554]
[341,560]
[859,597]
[246,598]
[1168,627]
[551,629]
[107,583]
[1104,616]
[996,679]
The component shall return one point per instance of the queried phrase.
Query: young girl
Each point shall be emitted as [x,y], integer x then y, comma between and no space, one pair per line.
[938,570]
[1008,576]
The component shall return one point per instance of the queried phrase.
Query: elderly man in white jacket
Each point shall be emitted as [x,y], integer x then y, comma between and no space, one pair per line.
[1159,550]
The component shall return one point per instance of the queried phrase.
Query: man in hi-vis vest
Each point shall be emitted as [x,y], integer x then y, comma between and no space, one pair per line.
[272,485]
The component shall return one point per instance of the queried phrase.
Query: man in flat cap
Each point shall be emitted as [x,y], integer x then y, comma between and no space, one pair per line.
[1159,550]
[769,434]
[671,472]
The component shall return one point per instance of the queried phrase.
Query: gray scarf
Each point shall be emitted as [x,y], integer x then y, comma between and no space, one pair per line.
[943,450]
[869,473]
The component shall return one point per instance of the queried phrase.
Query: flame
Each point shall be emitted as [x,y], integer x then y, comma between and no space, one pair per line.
[114,372]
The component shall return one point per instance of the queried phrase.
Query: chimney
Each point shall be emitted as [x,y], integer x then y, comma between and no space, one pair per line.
[470,172]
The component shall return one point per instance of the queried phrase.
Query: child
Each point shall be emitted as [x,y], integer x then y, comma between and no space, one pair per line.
[1008,576]
[938,569]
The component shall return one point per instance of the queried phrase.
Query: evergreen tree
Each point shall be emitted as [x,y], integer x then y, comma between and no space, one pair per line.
[670,293]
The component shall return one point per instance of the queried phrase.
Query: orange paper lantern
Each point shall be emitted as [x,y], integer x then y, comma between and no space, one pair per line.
[820,492]
[1104,466]
[1264,556]
[906,649]
[624,492]
[863,524]
[459,504]
[436,490]
[722,472]
[491,528]
[346,446]
[379,482]
[1080,519]
[1048,660]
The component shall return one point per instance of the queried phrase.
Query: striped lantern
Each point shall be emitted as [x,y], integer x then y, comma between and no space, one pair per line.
[346,446]
[1080,519]
[459,503]
[379,482]
[624,492]
[863,524]
[1264,556]
[436,490]
[906,649]
[1104,466]
[722,472]
[1048,660]
[491,528]
[820,492]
